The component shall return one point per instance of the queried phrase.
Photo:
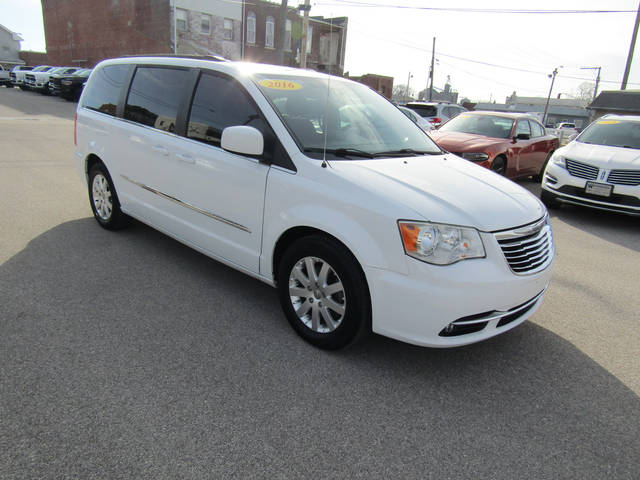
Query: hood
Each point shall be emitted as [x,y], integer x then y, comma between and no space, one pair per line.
[446,189]
[602,156]
[465,142]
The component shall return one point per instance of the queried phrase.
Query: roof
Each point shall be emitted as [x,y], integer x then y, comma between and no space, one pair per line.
[523,108]
[500,114]
[628,118]
[623,100]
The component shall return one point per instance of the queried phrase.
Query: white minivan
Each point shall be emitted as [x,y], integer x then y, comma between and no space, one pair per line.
[318,186]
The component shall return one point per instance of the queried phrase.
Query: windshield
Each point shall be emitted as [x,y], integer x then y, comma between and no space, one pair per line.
[612,133]
[352,120]
[487,125]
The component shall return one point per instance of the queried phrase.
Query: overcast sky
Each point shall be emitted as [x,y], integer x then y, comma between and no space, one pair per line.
[395,41]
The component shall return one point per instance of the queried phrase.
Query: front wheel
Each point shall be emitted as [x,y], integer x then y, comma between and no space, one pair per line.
[549,199]
[323,292]
[499,165]
[104,199]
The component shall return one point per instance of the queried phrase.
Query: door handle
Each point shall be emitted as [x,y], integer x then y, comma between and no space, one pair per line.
[185,158]
[161,150]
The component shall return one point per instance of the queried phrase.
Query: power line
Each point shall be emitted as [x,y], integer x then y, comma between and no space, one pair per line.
[470,10]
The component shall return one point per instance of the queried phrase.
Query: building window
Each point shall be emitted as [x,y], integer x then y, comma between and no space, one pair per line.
[205,24]
[287,35]
[251,28]
[309,38]
[269,40]
[181,20]
[228,29]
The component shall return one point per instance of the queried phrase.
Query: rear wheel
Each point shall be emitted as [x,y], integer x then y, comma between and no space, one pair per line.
[323,292]
[499,165]
[104,199]
[549,199]
[538,177]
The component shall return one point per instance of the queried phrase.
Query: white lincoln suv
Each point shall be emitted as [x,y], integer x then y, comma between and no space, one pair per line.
[318,186]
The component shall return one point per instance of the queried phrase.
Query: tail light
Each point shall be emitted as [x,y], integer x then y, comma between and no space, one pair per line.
[75,131]
[435,120]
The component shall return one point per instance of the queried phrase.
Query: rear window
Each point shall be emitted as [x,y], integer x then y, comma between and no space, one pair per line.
[103,93]
[424,111]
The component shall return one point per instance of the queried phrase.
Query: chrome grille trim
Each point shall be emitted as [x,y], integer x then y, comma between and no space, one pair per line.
[624,177]
[528,249]
[499,314]
[582,170]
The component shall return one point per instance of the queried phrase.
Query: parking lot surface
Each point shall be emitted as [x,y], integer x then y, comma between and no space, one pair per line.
[129,355]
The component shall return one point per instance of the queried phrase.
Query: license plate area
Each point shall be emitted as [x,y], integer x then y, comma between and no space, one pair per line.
[600,189]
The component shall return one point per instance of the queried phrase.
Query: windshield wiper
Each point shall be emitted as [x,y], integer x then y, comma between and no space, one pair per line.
[340,152]
[406,152]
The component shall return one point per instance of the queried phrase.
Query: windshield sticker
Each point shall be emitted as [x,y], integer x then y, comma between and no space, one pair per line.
[608,122]
[276,84]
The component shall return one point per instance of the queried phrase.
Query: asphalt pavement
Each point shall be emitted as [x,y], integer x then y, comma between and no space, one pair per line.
[128,355]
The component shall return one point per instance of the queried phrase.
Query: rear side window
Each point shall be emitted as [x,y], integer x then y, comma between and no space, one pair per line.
[104,91]
[219,103]
[424,111]
[155,96]
[536,129]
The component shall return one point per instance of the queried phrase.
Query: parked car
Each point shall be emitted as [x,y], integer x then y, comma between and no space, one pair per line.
[27,78]
[69,87]
[318,186]
[599,169]
[15,70]
[570,127]
[417,119]
[436,113]
[39,81]
[5,79]
[511,144]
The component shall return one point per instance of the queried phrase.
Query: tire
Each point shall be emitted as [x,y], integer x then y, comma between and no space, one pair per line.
[104,199]
[22,87]
[333,305]
[538,177]
[550,200]
[499,165]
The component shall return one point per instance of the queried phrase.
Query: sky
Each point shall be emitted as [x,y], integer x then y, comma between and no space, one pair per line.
[397,42]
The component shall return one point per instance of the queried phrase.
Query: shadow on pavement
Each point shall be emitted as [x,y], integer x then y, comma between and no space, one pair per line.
[35,104]
[129,355]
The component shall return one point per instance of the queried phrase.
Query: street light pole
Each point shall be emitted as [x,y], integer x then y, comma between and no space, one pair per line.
[433,56]
[552,75]
[305,32]
[406,93]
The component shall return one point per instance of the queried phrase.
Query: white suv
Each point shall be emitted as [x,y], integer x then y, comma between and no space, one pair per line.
[318,186]
[599,169]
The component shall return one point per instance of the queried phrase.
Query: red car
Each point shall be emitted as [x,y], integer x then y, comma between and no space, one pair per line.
[511,144]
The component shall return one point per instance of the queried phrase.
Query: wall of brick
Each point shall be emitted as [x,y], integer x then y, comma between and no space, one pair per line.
[379,83]
[34,58]
[194,41]
[84,33]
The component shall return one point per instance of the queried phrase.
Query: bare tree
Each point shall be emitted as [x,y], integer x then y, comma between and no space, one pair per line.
[400,93]
[584,91]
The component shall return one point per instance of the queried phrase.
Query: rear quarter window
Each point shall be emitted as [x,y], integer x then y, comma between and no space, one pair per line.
[103,93]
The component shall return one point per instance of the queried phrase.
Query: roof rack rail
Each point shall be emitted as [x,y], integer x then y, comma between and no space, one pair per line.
[213,58]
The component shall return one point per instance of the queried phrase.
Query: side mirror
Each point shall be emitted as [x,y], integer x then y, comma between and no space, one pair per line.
[242,139]
[523,136]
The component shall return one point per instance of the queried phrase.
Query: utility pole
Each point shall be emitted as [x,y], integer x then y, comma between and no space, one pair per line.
[627,69]
[433,57]
[281,31]
[595,90]
[305,30]
[406,92]
[552,75]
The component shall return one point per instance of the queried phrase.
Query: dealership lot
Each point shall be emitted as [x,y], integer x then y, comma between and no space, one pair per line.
[130,355]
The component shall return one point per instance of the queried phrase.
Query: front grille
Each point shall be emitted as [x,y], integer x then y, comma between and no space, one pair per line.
[582,170]
[527,249]
[624,177]
[614,198]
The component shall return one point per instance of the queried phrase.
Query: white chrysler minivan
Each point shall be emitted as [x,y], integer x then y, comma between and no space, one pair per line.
[320,187]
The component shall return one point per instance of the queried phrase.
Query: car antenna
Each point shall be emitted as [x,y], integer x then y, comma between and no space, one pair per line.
[326,105]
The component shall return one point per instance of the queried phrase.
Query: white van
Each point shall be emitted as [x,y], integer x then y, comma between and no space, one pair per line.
[320,187]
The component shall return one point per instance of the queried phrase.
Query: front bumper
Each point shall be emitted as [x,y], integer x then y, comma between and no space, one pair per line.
[569,189]
[435,306]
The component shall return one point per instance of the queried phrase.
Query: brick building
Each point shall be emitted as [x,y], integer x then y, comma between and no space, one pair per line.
[381,84]
[82,34]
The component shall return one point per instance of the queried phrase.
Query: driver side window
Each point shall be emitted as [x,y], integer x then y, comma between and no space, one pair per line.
[523,127]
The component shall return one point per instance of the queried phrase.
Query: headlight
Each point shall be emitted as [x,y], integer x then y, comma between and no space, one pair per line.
[475,157]
[440,244]
[559,160]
